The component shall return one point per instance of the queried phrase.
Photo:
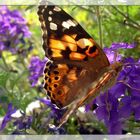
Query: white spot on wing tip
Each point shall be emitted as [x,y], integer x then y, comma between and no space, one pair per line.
[57,9]
[42,11]
[53,26]
[72,23]
[67,24]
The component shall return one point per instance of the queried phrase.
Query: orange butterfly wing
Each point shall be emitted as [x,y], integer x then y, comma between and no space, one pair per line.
[77,60]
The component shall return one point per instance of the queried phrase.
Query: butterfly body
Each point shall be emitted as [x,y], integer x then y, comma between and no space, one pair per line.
[79,69]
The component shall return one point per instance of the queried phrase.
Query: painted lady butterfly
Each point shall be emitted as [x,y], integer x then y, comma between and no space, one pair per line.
[78,68]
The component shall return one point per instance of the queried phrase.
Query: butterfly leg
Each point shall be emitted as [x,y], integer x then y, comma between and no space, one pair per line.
[68,113]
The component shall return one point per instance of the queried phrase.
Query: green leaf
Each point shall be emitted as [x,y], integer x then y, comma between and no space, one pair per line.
[3,78]
[4,99]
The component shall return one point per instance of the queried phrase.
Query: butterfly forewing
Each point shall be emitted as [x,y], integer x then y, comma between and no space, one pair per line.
[64,37]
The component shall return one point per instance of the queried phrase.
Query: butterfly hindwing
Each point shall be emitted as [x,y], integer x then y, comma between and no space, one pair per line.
[59,82]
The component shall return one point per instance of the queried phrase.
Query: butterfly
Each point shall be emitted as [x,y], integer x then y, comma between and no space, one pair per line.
[78,68]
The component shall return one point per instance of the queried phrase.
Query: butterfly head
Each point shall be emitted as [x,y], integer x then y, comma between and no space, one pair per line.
[117,66]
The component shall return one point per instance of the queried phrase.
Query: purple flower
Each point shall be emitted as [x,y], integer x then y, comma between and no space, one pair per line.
[122,45]
[56,112]
[8,117]
[135,104]
[36,69]
[124,107]
[123,99]
[107,110]
[13,30]
[23,122]
[110,53]
[57,131]
[124,96]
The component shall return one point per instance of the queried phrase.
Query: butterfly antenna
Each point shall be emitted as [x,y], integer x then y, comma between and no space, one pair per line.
[67,114]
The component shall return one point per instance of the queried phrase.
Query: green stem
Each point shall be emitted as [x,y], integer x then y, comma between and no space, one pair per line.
[86,9]
[18,79]
[127,11]
[109,33]
[100,25]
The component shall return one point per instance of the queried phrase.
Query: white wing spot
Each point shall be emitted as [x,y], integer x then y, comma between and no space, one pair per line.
[53,26]
[42,11]
[46,7]
[57,9]
[67,24]
[49,18]
[50,12]
[72,23]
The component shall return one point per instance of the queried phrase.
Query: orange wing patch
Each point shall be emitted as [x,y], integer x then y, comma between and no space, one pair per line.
[68,38]
[84,42]
[71,76]
[67,42]
[61,45]
[56,53]
[76,56]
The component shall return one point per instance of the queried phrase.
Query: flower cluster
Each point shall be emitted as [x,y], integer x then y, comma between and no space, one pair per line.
[23,122]
[8,116]
[20,120]
[123,99]
[56,113]
[36,69]
[13,30]
[112,52]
